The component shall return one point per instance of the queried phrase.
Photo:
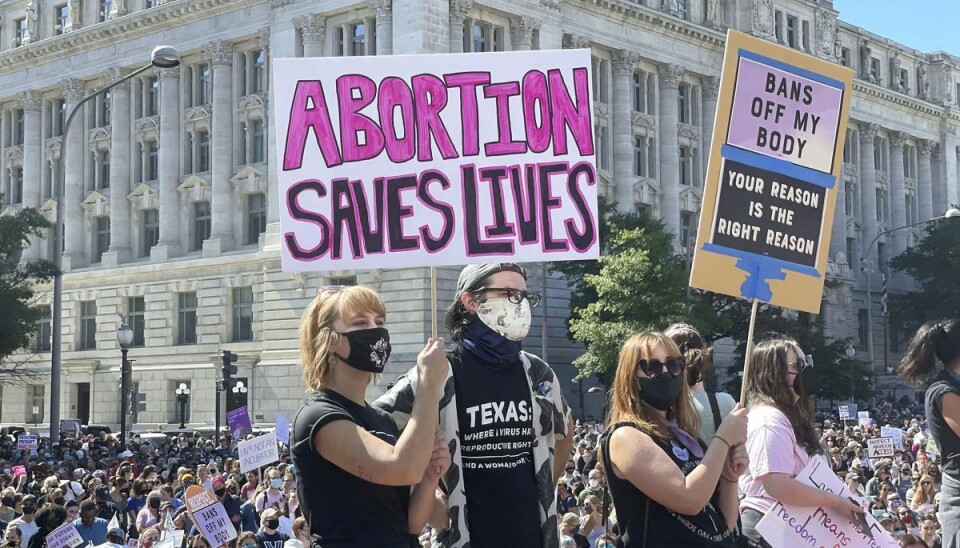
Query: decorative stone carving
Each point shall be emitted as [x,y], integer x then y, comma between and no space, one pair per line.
[171,72]
[947,83]
[711,87]
[868,132]
[866,54]
[117,9]
[670,6]
[897,140]
[459,9]
[72,90]
[670,75]
[571,41]
[32,19]
[30,100]
[643,120]
[923,85]
[714,17]
[521,29]
[924,148]
[763,18]
[114,74]
[74,15]
[624,61]
[895,64]
[382,8]
[551,4]
[313,28]
[826,34]
[220,52]
[280,3]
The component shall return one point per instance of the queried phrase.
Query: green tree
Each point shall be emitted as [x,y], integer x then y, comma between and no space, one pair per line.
[933,265]
[18,292]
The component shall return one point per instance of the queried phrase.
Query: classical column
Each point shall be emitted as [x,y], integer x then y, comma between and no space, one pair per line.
[949,156]
[521,32]
[623,130]
[119,251]
[711,89]
[221,238]
[32,160]
[925,180]
[868,186]
[313,32]
[669,78]
[898,193]
[384,11]
[168,160]
[458,10]
[72,155]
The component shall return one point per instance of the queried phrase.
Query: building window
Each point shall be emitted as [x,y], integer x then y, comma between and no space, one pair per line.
[603,141]
[904,80]
[151,93]
[850,201]
[61,17]
[201,224]
[875,70]
[881,218]
[88,325]
[16,136]
[882,257]
[778,25]
[135,319]
[102,118]
[688,164]
[103,173]
[686,228]
[151,168]
[480,36]
[792,31]
[688,98]
[203,151]
[259,144]
[254,73]
[151,230]
[187,318]
[36,403]
[601,78]
[105,7]
[341,281]
[243,314]
[42,341]
[639,157]
[203,84]
[150,4]
[805,35]
[256,217]
[58,111]
[102,241]
[845,57]
[852,258]
[682,11]
[644,92]
[862,328]
[16,185]
[20,28]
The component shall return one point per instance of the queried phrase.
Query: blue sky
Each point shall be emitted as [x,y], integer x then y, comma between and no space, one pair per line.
[926,25]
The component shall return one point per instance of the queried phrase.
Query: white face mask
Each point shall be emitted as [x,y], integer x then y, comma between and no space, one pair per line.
[593,483]
[512,321]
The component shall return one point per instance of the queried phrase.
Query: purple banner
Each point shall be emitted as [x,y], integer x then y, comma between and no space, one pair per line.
[784,115]
[238,421]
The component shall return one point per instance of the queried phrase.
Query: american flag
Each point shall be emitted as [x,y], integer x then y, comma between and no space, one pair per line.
[883,295]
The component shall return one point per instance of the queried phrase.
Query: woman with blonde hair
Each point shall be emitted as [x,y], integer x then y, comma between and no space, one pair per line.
[781,439]
[666,485]
[354,469]
[923,495]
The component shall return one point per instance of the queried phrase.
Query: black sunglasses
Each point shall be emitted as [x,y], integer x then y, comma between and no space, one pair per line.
[655,368]
[516,296]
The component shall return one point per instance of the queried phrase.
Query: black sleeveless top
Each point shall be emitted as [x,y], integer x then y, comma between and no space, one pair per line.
[645,523]
[940,431]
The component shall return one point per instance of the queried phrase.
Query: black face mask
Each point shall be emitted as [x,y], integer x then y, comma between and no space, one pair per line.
[219,493]
[806,383]
[272,524]
[662,392]
[29,509]
[155,504]
[60,500]
[8,502]
[369,349]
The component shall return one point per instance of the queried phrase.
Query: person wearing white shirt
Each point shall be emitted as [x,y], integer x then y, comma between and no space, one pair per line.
[27,523]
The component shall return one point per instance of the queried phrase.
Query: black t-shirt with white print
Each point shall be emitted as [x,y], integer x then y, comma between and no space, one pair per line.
[496,436]
[266,540]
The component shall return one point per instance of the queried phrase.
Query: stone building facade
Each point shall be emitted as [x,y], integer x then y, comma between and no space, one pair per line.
[170,196]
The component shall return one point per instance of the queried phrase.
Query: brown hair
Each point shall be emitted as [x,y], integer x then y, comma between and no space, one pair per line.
[693,348]
[767,384]
[919,494]
[317,336]
[934,340]
[626,404]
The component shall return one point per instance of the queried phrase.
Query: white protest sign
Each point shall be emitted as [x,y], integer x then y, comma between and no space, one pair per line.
[65,536]
[879,447]
[210,516]
[426,160]
[844,412]
[863,418]
[789,526]
[260,451]
[28,442]
[895,433]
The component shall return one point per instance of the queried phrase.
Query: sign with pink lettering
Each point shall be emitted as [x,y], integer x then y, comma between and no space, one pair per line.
[428,160]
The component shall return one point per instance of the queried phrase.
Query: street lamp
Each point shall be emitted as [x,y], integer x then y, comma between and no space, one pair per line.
[161,57]
[183,394]
[238,389]
[851,353]
[600,390]
[952,213]
[124,339]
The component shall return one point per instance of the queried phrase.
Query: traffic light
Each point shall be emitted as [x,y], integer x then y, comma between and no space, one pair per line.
[228,369]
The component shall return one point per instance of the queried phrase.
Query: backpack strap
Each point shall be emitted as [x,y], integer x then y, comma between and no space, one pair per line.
[715,407]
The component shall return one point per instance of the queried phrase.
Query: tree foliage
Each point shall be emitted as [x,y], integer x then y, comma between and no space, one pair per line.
[17,291]
[933,265]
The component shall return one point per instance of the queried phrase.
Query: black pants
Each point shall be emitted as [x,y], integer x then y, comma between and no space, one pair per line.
[749,537]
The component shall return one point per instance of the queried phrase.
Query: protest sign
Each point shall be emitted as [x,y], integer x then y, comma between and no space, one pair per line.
[432,160]
[259,451]
[238,420]
[863,418]
[844,412]
[282,428]
[879,447]
[771,183]
[28,442]
[895,433]
[71,427]
[209,515]
[65,536]
[788,526]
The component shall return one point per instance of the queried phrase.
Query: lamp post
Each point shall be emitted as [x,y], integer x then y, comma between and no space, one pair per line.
[951,213]
[125,339]
[600,390]
[183,395]
[239,390]
[160,57]
[851,353]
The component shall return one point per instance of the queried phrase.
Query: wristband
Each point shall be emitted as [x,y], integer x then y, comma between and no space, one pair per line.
[725,442]
[724,478]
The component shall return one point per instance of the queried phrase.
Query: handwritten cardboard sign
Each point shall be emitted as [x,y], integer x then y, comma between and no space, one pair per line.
[65,536]
[209,516]
[844,412]
[880,447]
[260,451]
[771,183]
[423,160]
[895,433]
[789,526]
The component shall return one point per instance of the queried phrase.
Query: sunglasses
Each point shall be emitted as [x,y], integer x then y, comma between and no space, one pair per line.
[924,483]
[655,368]
[516,296]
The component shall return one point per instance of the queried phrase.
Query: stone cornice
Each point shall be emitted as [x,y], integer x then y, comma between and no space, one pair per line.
[171,14]
[643,15]
[872,90]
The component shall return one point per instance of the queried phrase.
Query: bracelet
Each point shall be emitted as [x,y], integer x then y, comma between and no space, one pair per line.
[724,478]
[725,442]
